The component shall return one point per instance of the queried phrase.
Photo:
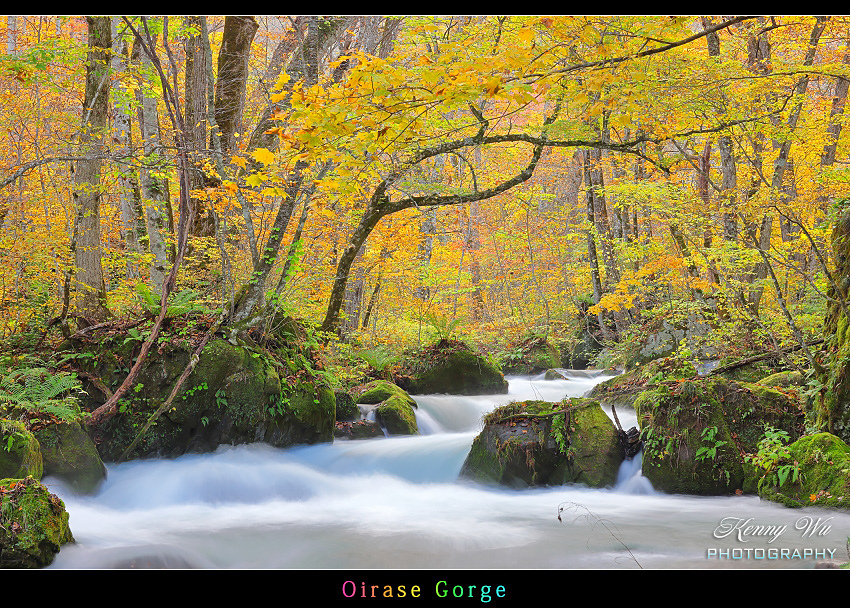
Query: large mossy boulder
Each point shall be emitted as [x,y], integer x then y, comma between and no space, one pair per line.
[697,431]
[237,393]
[450,367]
[815,472]
[20,453]
[71,455]
[33,524]
[534,443]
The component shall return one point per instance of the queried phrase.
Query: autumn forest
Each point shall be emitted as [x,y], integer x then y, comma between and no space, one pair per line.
[330,201]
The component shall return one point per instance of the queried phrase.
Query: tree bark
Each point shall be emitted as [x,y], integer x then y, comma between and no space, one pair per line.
[232,79]
[153,187]
[197,123]
[132,225]
[90,287]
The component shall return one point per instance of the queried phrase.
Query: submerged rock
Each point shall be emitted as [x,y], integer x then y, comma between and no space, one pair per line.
[816,472]
[358,429]
[450,367]
[533,443]
[697,431]
[33,524]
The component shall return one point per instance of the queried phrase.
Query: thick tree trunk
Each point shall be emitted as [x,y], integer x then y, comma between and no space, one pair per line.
[197,123]
[90,287]
[232,79]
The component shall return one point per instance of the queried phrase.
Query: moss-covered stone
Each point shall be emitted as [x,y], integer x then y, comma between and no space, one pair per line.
[70,454]
[237,393]
[787,379]
[346,407]
[530,443]
[535,356]
[822,476]
[553,374]
[622,390]
[397,416]
[450,367]
[381,390]
[20,454]
[33,524]
[696,432]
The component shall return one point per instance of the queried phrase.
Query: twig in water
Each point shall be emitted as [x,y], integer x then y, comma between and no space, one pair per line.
[590,517]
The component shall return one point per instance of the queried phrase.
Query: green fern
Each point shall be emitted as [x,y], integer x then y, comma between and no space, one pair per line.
[38,390]
[377,358]
[180,303]
[443,327]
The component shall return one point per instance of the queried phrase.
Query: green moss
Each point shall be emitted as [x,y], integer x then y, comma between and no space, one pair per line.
[451,367]
[237,393]
[783,379]
[33,524]
[696,432]
[381,390]
[535,443]
[824,474]
[70,454]
[20,453]
[396,414]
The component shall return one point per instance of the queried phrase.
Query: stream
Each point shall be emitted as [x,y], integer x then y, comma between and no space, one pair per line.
[397,503]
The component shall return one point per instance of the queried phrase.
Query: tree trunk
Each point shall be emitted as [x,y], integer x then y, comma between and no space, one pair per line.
[132,225]
[232,78]
[90,287]
[154,189]
[197,124]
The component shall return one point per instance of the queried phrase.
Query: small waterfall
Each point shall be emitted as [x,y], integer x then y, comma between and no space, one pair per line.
[630,479]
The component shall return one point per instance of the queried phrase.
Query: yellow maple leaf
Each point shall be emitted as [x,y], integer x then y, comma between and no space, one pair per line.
[262,155]
[238,161]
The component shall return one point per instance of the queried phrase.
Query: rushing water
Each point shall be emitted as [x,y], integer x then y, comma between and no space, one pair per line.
[397,503]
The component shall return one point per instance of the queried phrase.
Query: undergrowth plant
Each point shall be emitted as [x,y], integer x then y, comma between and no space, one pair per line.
[37,390]
[772,450]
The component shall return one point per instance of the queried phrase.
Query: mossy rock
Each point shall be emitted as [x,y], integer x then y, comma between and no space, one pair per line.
[237,393]
[450,367]
[695,432]
[524,444]
[622,390]
[20,453]
[824,474]
[752,372]
[554,374]
[789,379]
[33,524]
[537,356]
[70,454]
[346,407]
[397,416]
[394,408]
[381,390]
